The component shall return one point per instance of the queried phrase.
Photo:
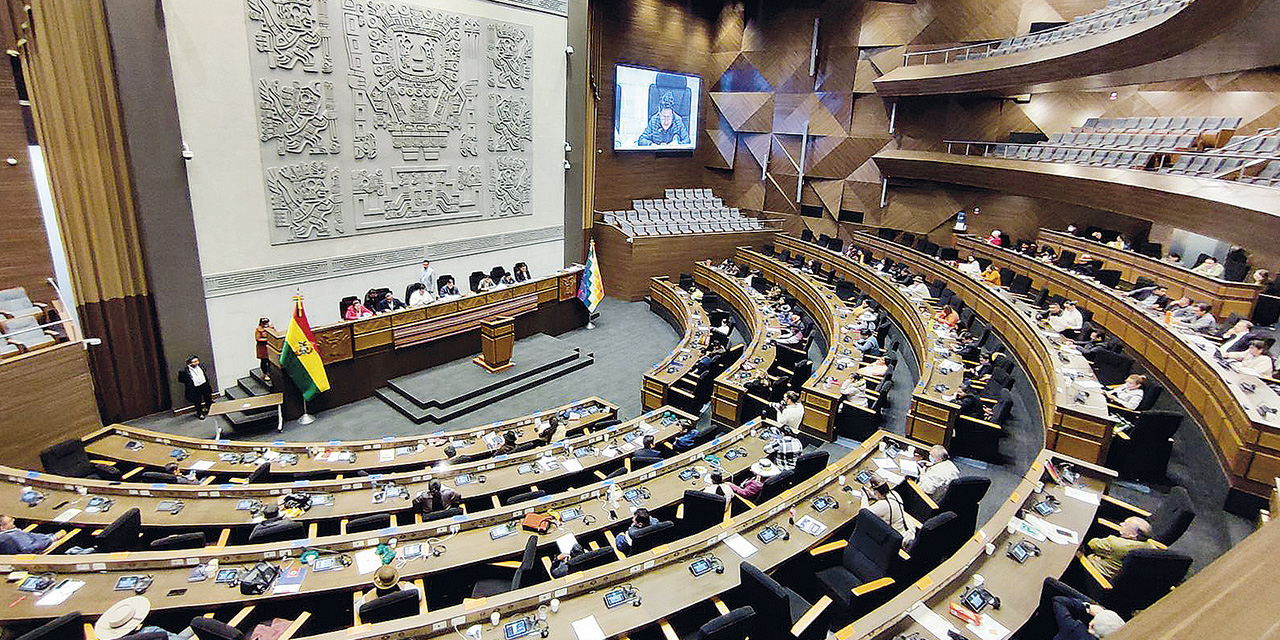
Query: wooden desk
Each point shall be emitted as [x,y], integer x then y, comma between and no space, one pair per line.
[692,320]
[215,505]
[466,539]
[1247,441]
[361,355]
[383,455]
[728,397]
[1081,430]
[661,575]
[1017,585]
[1226,297]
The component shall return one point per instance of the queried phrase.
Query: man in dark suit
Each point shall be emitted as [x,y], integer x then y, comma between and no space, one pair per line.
[1083,620]
[199,390]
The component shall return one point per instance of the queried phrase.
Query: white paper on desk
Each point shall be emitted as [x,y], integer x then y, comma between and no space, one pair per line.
[203,465]
[386,455]
[587,629]
[67,515]
[989,629]
[59,595]
[885,463]
[930,620]
[1027,529]
[909,467]
[610,452]
[811,526]
[1055,534]
[566,542]
[367,561]
[572,465]
[894,479]
[1088,383]
[1087,497]
[549,463]
[741,546]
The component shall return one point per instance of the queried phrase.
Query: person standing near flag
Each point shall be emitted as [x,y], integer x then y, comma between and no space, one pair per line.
[591,287]
[299,358]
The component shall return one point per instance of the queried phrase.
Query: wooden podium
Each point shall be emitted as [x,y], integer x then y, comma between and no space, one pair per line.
[497,337]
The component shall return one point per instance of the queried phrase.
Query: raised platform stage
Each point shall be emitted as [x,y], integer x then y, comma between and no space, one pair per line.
[445,392]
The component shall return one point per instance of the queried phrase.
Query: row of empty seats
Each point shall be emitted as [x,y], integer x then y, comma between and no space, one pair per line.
[21,328]
[1115,15]
[681,211]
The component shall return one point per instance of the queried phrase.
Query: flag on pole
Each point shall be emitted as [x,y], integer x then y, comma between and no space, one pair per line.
[298,355]
[591,288]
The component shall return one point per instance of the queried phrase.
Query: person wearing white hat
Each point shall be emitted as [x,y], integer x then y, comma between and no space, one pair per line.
[122,618]
[386,581]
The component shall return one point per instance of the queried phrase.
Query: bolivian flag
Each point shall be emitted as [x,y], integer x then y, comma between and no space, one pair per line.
[591,288]
[299,358]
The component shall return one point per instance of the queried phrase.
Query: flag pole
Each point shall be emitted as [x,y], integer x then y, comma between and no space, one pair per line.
[305,418]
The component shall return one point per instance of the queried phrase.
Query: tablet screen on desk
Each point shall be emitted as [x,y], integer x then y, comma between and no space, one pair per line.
[1019,553]
[324,564]
[615,598]
[518,629]
[769,534]
[700,567]
[226,575]
[570,514]
[463,479]
[975,601]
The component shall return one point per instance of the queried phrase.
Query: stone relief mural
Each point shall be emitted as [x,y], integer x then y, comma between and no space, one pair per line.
[435,111]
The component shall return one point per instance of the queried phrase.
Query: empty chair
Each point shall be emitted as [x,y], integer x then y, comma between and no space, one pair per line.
[809,464]
[277,531]
[779,608]
[591,559]
[395,605]
[68,458]
[14,302]
[938,538]
[369,523]
[1143,452]
[524,497]
[1111,368]
[702,510]
[735,625]
[65,627]
[494,586]
[1173,518]
[178,541]
[868,556]
[25,332]
[121,534]
[962,498]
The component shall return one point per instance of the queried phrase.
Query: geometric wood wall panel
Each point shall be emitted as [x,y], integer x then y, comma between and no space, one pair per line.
[376,116]
[791,112]
[745,112]
[724,144]
[784,155]
[832,114]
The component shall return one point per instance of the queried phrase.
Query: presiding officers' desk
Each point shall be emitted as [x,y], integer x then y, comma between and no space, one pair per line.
[1225,296]
[729,395]
[66,499]
[362,355]
[1079,428]
[460,541]
[1228,404]
[658,383]
[917,609]
[153,450]
[660,576]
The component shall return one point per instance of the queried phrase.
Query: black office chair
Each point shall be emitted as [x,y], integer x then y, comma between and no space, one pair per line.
[809,464]
[260,474]
[475,278]
[1020,286]
[779,608]
[1006,277]
[652,536]
[157,477]
[148,635]
[860,422]
[210,629]
[1112,368]
[369,523]
[522,576]
[1146,575]
[806,235]
[617,473]
[524,497]
[702,510]
[442,281]
[1144,452]
[836,245]
[68,458]
[870,554]
[591,559]
[496,273]
[735,625]
[962,498]
[938,538]
[277,531]
[400,604]
[345,303]
[178,541]
[774,486]
[121,534]
[442,514]
[644,458]
[65,627]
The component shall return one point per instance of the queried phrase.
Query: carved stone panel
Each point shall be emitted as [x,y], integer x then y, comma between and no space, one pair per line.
[434,116]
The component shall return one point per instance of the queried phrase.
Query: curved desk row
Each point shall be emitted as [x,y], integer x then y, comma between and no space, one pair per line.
[66,500]
[728,396]
[1082,429]
[1226,403]
[1226,297]
[464,540]
[694,324]
[154,449]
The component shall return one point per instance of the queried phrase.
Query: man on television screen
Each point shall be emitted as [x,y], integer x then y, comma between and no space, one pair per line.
[666,126]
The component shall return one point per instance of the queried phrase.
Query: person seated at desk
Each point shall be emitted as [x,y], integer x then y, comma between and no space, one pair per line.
[1129,393]
[436,498]
[650,448]
[996,239]
[419,295]
[1262,278]
[357,311]
[879,498]
[991,275]
[560,564]
[388,303]
[485,284]
[448,289]
[966,348]
[714,350]
[1173,258]
[639,520]
[937,472]
[1238,337]
[947,315]
[180,477]
[969,402]
[1082,620]
[971,266]
[508,444]
[720,487]
[813,268]
[918,288]
[386,581]
[865,342]
[1199,318]
[1064,318]
[1084,266]
[1179,308]
[1096,341]
[1096,236]
[553,431]
[720,333]
[1209,268]
[1119,243]
[506,279]
[1107,554]
[790,411]
[270,516]
[687,438]
[982,370]
[695,294]
[522,272]
[14,540]
[1155,295]
[854,390]
[1253,359]
[874,369]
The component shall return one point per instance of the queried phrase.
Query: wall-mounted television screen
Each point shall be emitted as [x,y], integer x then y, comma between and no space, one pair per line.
[655,110]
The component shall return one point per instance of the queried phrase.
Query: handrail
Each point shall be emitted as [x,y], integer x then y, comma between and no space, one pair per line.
[1046,145]
[906,57]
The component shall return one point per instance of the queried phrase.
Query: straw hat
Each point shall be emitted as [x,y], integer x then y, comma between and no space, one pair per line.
[122,618]
[386,577]
[765,468]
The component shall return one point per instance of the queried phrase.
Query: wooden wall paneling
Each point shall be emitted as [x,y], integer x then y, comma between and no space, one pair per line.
[48,397]
[628,264]
[24,248]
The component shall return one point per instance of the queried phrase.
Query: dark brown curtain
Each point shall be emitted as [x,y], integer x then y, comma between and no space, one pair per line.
[67,66]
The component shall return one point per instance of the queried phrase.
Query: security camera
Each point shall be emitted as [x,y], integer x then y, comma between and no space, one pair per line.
[568,50]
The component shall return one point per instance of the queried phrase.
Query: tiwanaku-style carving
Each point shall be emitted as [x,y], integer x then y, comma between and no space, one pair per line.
[305,199]
[300,117]
[510,57]
[292,33]
[436,111]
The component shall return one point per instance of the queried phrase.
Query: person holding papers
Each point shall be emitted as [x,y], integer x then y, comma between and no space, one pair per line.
[937,473]
[1129,394]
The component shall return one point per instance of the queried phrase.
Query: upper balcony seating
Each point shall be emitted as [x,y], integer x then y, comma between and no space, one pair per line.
[681,211]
